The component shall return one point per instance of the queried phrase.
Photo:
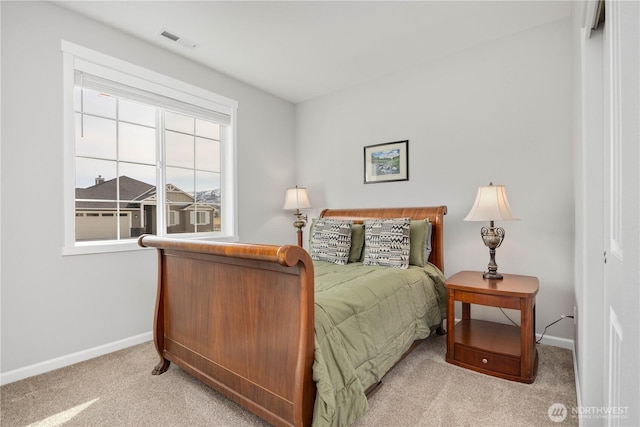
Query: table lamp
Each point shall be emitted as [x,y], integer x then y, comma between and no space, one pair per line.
[491,205]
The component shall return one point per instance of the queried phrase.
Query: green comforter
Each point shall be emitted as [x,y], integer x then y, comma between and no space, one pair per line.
[366,319]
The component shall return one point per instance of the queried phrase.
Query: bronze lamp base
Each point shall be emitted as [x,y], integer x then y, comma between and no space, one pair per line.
[492,238]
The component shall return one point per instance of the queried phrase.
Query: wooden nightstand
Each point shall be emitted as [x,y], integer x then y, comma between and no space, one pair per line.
[497,349]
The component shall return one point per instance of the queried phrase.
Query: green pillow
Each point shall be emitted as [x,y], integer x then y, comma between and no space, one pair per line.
[428,253]
[311,227]
[418,242]
[357,242]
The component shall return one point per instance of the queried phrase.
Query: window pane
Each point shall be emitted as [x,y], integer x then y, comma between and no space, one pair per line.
[176,222]
[207,155]
[208,187]
[137,182]
[92,173]
[95,200]
[100,222]
[137,186]
[182,180]
[137,144]
[96,223]
[95,137]
[207,129]
[178,122]
[208,198]
[137,113]
[179,195]
[90,101]
[179,149]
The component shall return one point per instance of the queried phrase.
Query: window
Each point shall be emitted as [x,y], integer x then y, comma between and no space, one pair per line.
[201,217]
[143,151]
[174,218]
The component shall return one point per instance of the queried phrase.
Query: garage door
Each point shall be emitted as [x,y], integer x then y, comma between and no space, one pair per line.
[102,226]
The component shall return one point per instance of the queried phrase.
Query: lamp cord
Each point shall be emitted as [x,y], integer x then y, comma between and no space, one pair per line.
[552,323]
[545,328]
[505,315]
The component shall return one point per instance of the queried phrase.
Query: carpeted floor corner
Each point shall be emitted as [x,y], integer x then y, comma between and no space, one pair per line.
[423,390]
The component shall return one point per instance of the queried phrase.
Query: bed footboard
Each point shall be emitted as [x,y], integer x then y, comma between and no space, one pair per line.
[240,318]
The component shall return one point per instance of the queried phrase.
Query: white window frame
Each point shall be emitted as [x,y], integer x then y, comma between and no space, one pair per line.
[75,57]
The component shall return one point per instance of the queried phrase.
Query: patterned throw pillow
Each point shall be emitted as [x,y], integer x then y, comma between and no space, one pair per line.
[387,242]
[331,240]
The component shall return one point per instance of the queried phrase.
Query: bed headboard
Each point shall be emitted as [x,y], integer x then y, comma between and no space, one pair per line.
[434,213]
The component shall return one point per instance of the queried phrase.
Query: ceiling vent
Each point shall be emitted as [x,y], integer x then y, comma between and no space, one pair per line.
[181,40]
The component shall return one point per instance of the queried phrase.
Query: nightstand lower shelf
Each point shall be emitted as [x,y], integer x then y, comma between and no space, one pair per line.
[488,347]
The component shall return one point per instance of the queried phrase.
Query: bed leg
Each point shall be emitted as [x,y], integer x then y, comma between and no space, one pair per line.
[440,330]
[161,367]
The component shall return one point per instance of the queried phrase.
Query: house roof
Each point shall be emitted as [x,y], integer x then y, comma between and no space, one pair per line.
[130,189]
[132,192]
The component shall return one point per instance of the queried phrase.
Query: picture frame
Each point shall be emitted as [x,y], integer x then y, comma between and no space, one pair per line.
[386,162]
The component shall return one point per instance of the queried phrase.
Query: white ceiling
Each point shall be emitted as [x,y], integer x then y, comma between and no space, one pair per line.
[300,50]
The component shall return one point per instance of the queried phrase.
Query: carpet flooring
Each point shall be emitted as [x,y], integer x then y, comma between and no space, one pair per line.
[423,390]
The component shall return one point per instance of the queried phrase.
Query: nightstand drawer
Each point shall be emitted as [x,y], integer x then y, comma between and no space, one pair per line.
[487,360]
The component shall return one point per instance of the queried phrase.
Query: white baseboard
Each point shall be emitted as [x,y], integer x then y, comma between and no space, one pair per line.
[70,359]
[556,341]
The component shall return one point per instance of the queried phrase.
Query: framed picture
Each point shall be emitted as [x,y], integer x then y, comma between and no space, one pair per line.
[386,162]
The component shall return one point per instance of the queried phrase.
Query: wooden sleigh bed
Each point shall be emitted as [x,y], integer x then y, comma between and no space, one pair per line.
[241,317]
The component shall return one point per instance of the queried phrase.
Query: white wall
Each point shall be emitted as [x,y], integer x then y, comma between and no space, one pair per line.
[500,112]
[55,306]
[589,239]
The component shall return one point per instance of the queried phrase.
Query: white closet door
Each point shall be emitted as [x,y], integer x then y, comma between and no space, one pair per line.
[622,211]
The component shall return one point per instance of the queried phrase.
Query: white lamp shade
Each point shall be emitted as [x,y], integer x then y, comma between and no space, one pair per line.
[491,205]
[296,198]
